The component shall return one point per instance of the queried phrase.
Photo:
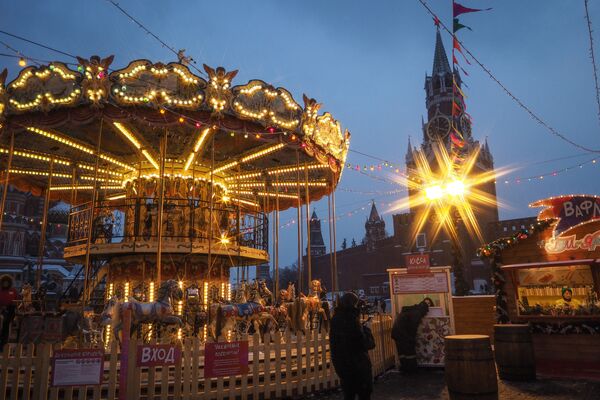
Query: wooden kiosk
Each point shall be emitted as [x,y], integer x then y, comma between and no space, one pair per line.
[409,287]
[549,277]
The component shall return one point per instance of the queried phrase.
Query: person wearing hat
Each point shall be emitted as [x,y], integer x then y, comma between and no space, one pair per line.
[567,299]
[350,342]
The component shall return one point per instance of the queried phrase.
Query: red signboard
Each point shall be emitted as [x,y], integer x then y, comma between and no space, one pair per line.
[158,355]
[417,263]
[436,282]
[79,367]
[225,359]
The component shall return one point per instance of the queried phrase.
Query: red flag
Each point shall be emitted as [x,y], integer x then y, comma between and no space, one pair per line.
[455,109]
[436,20]
[456,45]
[456,141]
[464,72]
[454,60]
[460,9]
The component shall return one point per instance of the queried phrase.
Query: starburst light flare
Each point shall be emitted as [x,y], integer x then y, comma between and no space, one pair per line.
[442,190]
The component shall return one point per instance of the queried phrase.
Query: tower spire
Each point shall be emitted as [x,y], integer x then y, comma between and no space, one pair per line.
[440,59]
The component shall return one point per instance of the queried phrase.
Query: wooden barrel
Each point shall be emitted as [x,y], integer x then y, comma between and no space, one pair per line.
[513,349]
[470,369]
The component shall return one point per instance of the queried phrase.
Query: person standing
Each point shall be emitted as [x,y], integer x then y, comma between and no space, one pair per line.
[383,306]
[8,296]
[404,333]
[350,342]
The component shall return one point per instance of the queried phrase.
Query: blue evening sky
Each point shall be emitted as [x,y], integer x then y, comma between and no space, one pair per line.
[366,62]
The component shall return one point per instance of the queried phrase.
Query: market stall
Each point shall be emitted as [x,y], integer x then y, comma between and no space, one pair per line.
[411,286]
[548,276]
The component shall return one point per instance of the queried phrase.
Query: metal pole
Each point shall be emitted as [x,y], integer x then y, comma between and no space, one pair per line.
[86,271]
[276,285]
[161,201]
[331,249]
[210,212]
[44,226]
[7,176]
[334,247]
[299,219]
[308,218]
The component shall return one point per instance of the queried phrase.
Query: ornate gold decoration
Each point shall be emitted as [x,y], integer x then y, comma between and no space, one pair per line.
[158,84]
[323,131]
[42,88]
[96,85]
[218,94]
[260,101]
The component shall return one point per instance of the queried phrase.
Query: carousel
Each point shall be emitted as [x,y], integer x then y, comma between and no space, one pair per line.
[172,179]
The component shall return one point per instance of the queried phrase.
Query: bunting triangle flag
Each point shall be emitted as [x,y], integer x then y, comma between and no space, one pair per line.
[459,9]
[455,109]
[463,70]
[457,26]
[454,60]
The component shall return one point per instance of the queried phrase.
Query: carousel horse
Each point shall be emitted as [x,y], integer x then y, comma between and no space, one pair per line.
[247,310]
[159,311]
[26,304]
[314,309]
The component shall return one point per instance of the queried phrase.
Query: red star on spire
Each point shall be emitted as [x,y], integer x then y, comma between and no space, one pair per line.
[436,21]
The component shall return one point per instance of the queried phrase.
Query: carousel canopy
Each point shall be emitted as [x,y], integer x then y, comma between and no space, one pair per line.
[254,139]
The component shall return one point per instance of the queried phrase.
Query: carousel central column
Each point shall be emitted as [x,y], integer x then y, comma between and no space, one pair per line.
[7,176]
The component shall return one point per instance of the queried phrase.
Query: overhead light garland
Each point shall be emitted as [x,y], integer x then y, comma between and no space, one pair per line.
[497,246]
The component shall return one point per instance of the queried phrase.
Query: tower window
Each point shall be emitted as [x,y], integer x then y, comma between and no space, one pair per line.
[421,241]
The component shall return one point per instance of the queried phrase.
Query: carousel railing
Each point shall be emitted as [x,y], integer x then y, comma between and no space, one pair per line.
[183,220]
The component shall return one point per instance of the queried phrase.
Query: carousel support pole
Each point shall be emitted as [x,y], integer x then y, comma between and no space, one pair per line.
[73,186]
[238,225]
[86,271]
[299,219]
[276,284]
[331,248]
[334,246]
[38,277]
[210,212]
[161,202]
[7,177]
[308,217]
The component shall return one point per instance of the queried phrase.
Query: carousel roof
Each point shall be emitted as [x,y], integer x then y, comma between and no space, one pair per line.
[264,141]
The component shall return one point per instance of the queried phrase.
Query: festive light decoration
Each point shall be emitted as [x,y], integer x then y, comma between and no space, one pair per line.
[197,147]
[495,247]
[35,156]
[126,292]
[116,197]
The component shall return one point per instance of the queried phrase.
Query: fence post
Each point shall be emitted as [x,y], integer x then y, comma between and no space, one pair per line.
[124,366]
[382,343]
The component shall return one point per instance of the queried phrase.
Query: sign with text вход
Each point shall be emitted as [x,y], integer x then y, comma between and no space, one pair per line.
[225,359]
[417,263]
[153,355]
[436,282]
[79,367]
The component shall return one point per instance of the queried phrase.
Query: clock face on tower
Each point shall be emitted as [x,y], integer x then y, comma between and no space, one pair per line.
[438,127]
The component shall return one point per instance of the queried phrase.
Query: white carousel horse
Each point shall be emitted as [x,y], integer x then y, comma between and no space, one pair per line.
[159,311]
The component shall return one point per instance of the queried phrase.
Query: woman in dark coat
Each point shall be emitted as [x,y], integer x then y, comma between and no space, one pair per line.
[404,333]
[350,342]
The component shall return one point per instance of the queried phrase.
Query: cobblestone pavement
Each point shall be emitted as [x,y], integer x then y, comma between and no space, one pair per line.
[430,385]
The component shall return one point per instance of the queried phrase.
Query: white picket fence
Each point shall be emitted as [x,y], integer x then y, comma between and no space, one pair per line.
[282,366]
